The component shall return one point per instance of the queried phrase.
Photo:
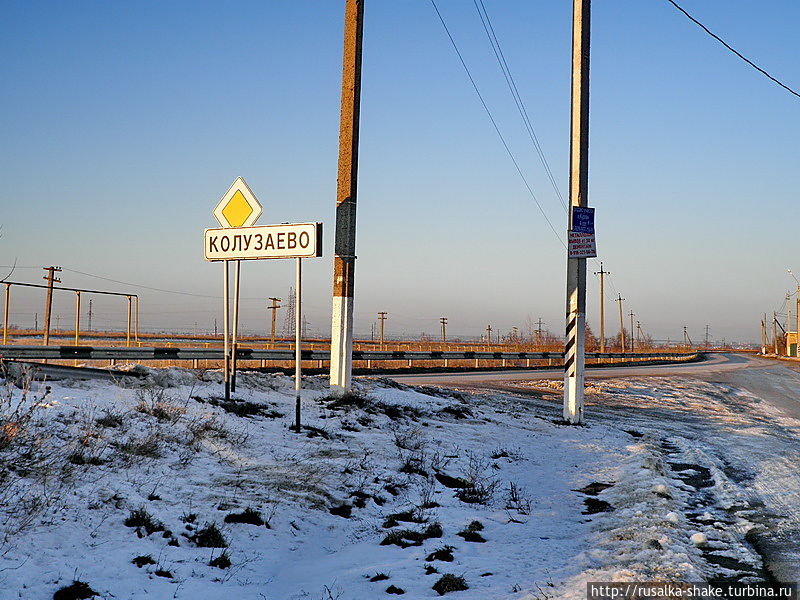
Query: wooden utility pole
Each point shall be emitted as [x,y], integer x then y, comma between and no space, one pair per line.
[620,299]
[633,347]
[775,332]
[575,347]
[382,317]
[602,274]
[274,308]
[5,314]
[50,279]
[344,260]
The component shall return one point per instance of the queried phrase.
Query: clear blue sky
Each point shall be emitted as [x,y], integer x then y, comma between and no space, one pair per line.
[124,122]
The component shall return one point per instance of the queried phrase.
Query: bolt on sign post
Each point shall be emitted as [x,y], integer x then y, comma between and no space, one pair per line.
[239,240]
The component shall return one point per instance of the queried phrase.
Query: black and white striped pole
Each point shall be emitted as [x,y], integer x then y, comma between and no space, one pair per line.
[574,350]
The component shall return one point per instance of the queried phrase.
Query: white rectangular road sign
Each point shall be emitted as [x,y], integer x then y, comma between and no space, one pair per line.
[581,245]
[289,240]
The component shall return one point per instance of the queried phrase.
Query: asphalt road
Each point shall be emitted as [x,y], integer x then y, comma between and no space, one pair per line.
[755,438]
[715,363]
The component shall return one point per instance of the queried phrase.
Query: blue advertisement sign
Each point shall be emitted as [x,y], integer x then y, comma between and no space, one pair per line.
[582,219]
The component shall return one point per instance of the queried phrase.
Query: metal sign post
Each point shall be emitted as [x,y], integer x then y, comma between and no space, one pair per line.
[239,240]
[298,378]
[235,342]
[225,320]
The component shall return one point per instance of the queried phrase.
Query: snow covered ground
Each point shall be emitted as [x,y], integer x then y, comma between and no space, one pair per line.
[124,486]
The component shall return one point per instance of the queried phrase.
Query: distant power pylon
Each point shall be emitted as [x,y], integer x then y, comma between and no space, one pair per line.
[288,320]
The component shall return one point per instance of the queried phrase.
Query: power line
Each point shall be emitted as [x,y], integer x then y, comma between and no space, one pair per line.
[144,287]
[512,86]
[737,53]
[489,29]
[494,123]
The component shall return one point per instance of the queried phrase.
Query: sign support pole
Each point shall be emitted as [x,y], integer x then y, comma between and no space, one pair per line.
[574,350]
[298,319]
[344,260]
[225,319]
[235,323]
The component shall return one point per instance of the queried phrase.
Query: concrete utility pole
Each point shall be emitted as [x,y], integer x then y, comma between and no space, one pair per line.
[575,347]
[602,274]
[382,317]
[89,324]
[620,299]
[344,260]
[443,321]
[50,279]
[764,335]
[788,321]
[639,334]
[797,316]
[633,348]
[489,334]
[274,308]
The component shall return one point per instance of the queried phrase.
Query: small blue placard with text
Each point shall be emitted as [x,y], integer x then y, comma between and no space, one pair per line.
[582,219]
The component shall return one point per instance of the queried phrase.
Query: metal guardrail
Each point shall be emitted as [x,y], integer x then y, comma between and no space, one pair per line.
[174,353]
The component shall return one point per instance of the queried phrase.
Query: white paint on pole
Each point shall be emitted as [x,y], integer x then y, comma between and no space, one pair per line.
[288,240]
[342,344]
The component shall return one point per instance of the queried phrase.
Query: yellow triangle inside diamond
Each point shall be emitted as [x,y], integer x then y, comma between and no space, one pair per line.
[237,210]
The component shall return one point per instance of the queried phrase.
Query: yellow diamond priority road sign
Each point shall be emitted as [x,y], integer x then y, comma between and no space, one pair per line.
[238,207]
